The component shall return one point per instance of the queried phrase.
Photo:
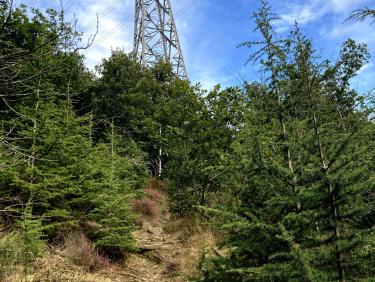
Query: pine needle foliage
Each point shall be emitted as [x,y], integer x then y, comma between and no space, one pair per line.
[49,159]
[283,168]
[302,168]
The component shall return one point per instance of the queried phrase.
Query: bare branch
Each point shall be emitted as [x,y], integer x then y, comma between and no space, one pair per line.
[10,4]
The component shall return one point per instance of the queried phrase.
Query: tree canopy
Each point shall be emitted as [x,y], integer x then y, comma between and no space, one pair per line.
[283,169]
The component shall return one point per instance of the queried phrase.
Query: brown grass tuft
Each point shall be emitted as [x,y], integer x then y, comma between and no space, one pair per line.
[171,269]
[155,183]
[82,253]
[145,207]
[154,195]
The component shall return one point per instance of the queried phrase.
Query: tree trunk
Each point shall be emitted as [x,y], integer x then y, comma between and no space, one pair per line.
[160,152]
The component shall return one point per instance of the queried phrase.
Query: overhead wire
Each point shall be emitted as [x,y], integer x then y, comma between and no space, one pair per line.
[180,12]
[112,31]
[68,5]
[188,7]
[106,12]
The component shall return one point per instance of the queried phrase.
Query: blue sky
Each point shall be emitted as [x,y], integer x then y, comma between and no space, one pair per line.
[211,30]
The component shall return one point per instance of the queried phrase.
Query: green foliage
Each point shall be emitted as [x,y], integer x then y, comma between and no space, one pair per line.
[199,145]
[116,176]
[23,246]
[48,151]
[284,168]
[362,14]
[31,242]
[166,115]
[10,253]
[300,169]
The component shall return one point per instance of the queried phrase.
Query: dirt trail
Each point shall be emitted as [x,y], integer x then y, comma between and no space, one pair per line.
[169,250]
[160,251]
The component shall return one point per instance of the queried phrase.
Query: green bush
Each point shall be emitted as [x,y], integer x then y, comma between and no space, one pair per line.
[10,253]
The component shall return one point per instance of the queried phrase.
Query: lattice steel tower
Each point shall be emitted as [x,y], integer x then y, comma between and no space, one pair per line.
[155,35]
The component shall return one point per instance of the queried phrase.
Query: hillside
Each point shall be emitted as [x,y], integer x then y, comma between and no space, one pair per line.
[168,249]
[134,173]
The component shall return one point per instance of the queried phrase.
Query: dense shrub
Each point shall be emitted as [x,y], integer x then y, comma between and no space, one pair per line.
[10,253]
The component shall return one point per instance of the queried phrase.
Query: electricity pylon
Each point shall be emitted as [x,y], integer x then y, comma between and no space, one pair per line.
[155,35]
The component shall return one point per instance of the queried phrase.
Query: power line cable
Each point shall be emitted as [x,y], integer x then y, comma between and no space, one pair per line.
[187,8]
[112,31]
[180,12]
[68,5]
[106,12]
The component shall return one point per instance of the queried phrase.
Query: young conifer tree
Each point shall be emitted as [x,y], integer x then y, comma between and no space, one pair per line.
[310,223]
[338,178]
[118,171]
[31,240]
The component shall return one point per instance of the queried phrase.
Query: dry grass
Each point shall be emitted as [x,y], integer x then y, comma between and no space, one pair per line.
[153,202]
[76,260]
[178,243]
[196,240]
[154,195]
[171,269]
[156,184]
[179,255]
[81,252]
[55,267]
[10,253]
[174,245]
[145,207]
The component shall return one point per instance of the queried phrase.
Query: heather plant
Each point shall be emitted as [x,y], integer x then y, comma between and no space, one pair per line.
[82,252]
[145,207]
